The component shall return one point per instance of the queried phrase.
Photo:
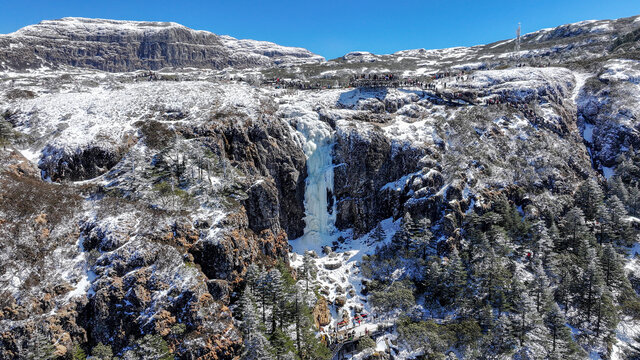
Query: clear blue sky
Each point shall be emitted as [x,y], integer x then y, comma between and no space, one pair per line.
[333,28]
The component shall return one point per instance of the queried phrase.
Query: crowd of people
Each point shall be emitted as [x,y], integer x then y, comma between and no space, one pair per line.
[501,99]
[348,329]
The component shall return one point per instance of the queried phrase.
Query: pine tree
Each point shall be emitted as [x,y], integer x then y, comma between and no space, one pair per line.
[39,347]
[521,305]
[606,314]
[281,344]
[602,218]
[252,276]
[250,323]
[263,295]
[612,269]
[501,339]
[257,347]
[556,323]
[408,232]
[307,345]
[574,227]
[309,269]
[78,353]
[423,239]
[152,347]
[588,197]
[543,242]
[617,187]
[541,285]
[591,279]
[554,234]
[456,276]
[633,203]
[6,132]
[378,234]
[276,296]
[101,352]
[433,275]
[617,215]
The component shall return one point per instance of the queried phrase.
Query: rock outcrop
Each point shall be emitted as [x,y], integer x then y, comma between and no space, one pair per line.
[321,313]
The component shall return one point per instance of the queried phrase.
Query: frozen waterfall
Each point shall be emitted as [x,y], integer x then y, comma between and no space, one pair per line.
[319,218]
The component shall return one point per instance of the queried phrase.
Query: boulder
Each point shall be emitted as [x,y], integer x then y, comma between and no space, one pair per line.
[332,266]
[321,313]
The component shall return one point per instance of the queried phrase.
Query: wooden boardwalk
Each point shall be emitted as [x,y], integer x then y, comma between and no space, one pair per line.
[342,348]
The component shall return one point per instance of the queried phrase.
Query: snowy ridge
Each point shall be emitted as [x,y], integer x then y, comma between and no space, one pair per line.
[133,45]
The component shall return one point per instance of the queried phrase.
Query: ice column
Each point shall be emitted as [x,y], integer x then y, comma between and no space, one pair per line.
[319,219]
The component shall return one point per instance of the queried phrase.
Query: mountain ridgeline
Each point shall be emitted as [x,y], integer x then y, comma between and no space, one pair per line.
[171,193]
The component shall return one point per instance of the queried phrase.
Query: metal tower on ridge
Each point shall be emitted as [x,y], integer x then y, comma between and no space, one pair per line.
[518,38]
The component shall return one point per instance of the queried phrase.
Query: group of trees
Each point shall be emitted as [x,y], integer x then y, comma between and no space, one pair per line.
[276,316]
[6,132]
[551,282]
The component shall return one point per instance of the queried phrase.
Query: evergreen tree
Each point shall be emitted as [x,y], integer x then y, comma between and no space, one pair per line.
[250,323]
[6,132]
[433,276]
[263,286]
[501,339]
[574,227]
[604,224]
[39,346]
[422,238]
[521,304]
[554,234]
[78,353]
[309,269]
[275,290]
[617,186]
[541,285]
[378,234]
[257,347]
[252,276]
[101,352]
[152,347]
[543,242]
[556,321]
[606,314]
[612,269]
[456,277]
[588,197]
[281,344]
[617,215]
[633,203]
[591,280]
[307,344]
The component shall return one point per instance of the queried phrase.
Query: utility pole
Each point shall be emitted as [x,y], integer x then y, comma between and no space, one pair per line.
[518,39]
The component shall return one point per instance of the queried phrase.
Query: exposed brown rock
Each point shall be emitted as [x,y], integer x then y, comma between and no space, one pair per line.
[321,313]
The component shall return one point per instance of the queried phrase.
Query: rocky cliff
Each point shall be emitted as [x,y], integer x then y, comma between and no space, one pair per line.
[112,45]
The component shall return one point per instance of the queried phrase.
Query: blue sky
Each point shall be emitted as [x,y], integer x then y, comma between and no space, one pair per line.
[333,28]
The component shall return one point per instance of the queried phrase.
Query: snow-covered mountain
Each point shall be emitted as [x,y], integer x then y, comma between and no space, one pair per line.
[481,203]
[114,45]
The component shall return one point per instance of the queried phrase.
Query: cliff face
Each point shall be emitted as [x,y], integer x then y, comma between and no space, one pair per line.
[114,46]
[143,254]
